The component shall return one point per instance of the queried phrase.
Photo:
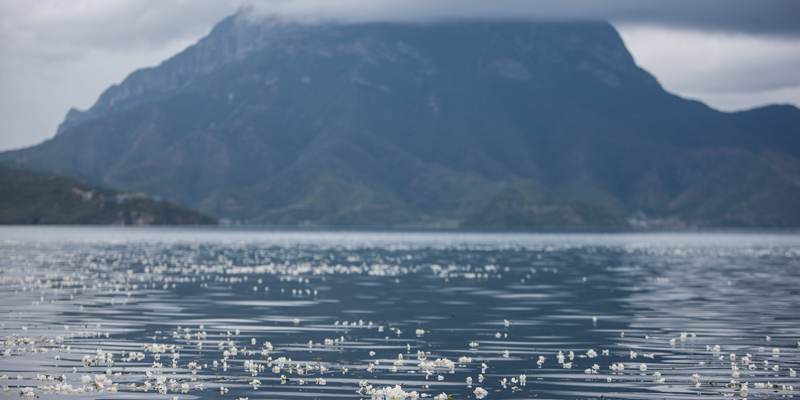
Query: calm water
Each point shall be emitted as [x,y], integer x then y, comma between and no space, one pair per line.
[157,313]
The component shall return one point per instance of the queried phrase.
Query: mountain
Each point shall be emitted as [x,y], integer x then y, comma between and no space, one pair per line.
[480,123]
[32,198]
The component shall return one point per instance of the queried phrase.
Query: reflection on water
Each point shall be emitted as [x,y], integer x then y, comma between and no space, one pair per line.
[139,313]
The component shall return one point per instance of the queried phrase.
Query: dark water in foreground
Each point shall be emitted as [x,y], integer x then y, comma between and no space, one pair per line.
[129,313]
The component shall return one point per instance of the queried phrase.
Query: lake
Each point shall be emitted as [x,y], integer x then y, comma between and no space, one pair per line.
[97,312]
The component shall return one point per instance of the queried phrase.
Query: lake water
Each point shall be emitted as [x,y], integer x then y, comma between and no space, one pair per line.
[224,313]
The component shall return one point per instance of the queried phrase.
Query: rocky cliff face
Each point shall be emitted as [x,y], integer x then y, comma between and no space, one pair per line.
[471,123]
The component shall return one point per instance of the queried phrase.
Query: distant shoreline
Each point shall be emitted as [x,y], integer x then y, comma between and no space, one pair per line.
[391,229]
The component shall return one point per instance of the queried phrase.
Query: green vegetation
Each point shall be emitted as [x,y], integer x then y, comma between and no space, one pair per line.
[32,198]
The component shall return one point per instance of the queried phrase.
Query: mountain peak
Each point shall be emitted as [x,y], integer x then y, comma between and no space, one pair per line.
[437,123]
[247,31]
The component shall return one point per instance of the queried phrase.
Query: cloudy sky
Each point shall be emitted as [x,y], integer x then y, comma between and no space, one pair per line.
[57,54]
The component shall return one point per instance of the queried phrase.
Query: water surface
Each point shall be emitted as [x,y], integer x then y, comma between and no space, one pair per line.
[223,313]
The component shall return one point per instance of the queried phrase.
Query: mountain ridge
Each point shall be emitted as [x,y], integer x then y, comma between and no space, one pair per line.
[458,123]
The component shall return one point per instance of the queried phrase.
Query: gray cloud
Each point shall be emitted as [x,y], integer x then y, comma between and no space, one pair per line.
[57,54]
[775,17]
[728,71]
[65,28]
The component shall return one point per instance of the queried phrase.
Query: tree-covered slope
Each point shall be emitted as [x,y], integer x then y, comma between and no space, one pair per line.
[35,198]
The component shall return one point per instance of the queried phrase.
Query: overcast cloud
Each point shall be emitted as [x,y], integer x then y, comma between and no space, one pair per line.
[57,54]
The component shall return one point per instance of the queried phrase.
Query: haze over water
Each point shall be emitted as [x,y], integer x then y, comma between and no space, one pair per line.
[124,313]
